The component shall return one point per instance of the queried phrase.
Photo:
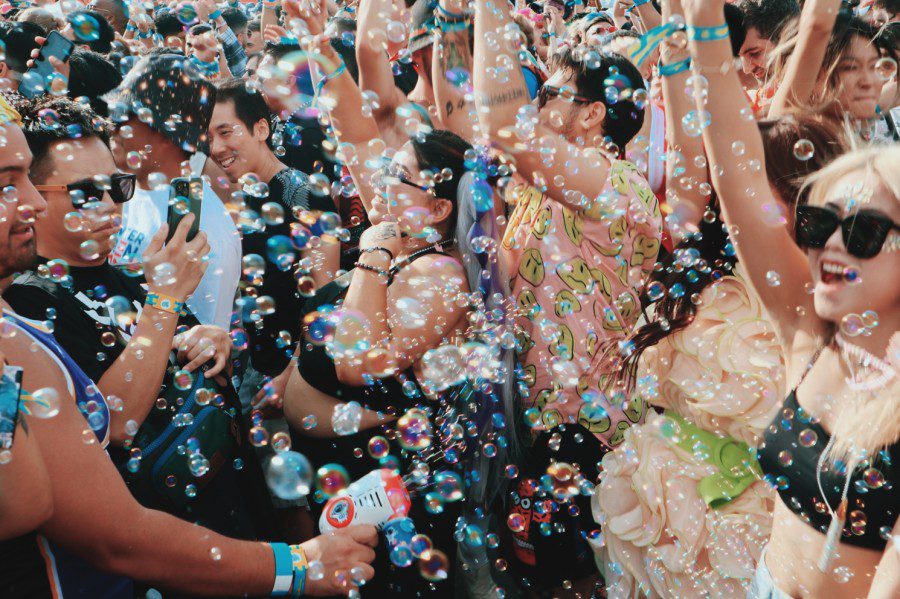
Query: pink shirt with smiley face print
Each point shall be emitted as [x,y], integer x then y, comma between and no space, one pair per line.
[577,285]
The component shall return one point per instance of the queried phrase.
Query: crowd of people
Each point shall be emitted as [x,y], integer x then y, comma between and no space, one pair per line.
[451,298]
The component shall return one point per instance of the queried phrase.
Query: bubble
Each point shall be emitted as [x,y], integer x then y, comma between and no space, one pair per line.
[289,475]
[89,250]
[852,325]
[346,418]
[273,213]
[414,430]
[73,222]
[183,380]
[843,574]
[419,544]
[164,274]
[401,556]
[411,313]
[873,478]
[378,447]
[239,339]
[186,13]
[281,442]
[332,479]
[870,319]
[785,458]
[886,68]
[773,279]
[808,437]
[433,565]
[44,403]
[253,266]
[449,486]
[655,291]
[215,554]
[198,465]
[804,150]
[316,570]
[695,122]
[259,436]
[443,367]
[516,522]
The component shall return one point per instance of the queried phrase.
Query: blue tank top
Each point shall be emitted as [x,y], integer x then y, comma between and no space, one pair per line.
[32,564]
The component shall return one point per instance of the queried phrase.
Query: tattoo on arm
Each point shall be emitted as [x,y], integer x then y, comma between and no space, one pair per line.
[490,100]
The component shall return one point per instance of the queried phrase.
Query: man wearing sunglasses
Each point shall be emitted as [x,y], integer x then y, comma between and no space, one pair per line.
[583,236]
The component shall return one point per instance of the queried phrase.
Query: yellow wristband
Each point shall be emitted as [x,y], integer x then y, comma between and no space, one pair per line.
[166,303]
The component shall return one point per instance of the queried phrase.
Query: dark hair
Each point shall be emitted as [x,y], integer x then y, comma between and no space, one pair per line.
[92,75]
[704,257]
[167,23]
[249,105]
[623,117]
[71,120]
[254,25]
[200,29]
[437,150]
[768,16]
[737,28]
[786,172]
[105,32]
[235,19]
[18,38]
[892,6]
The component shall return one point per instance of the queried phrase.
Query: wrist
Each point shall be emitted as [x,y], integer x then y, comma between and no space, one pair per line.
[164,302]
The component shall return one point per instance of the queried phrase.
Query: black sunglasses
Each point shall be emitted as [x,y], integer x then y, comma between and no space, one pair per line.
[864,232]
[120,189]
[389,174]
[551,91]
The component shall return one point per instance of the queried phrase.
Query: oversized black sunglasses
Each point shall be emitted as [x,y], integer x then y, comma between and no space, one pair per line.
[864,232]
[551,91]
[120,189]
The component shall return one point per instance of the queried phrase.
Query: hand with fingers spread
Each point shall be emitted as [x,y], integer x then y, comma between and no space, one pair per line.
[175,268]
[340,552]
[313,12]
[275,33]
[201,344]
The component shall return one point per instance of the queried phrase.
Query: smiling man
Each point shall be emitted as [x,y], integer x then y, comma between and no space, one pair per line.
[764,21]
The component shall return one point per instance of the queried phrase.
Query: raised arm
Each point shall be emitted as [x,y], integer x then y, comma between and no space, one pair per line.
[500,92]
[360,143]
[686,159]
[649,18]
[804,65]
[451,72]
[739,178]
[372,56]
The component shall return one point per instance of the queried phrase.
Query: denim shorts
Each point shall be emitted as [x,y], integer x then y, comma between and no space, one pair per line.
[763,586]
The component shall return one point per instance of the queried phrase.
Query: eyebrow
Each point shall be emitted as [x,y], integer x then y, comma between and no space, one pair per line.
[12,168]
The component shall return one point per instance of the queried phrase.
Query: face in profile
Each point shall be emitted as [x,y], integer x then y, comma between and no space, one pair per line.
[20,207]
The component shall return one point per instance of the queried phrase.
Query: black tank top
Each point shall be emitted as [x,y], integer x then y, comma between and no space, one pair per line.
[789,456]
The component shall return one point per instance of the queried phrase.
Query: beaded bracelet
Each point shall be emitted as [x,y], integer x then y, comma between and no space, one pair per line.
[669,70]
[708,34]
[377,271]
[378,249]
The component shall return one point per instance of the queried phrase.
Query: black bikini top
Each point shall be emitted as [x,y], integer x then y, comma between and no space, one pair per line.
[789,456]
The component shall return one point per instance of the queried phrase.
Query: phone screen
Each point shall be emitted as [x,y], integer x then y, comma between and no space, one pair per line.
[187,197]
[35,80]
[10,394]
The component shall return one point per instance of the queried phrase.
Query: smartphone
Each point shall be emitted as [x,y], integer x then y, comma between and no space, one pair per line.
[34,81]
[893,121]
[189,191]
[10,395]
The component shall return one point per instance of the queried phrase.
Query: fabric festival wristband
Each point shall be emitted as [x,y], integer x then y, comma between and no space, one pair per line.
[284,570]
[215,14]
[640,2]
[333,75]
[450,26]
[300,566]
[669,70]
[166,303]
[708,34]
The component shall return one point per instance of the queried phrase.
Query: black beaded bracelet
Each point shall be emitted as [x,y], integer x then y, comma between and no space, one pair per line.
[378,249]
[377,271]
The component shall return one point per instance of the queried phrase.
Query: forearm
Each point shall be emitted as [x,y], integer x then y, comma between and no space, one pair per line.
[367,295]
[137,374]
[452,77]
[649,17]
[324,261]
[375,73]
[304,404]
[500,89]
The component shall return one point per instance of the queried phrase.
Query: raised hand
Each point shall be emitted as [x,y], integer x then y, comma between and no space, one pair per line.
[175,268]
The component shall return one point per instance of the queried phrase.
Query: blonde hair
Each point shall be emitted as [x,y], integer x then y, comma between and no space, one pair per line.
[866,421]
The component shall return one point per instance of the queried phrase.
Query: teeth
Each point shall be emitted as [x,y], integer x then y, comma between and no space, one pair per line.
[834,269]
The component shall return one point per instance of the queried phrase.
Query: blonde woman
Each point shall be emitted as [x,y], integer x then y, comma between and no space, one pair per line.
[832,451]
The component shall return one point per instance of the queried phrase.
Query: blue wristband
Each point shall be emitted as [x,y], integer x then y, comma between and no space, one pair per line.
[215,14]
[668,70]
[284,570]
[708,34]
[640,2]
[300,566]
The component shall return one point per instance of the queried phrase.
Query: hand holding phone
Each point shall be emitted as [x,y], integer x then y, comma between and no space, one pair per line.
[186,198]
[54,52]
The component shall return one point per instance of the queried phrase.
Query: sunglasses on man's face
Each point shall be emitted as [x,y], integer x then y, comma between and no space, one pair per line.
[120,189]
[551,91]
[864,232]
